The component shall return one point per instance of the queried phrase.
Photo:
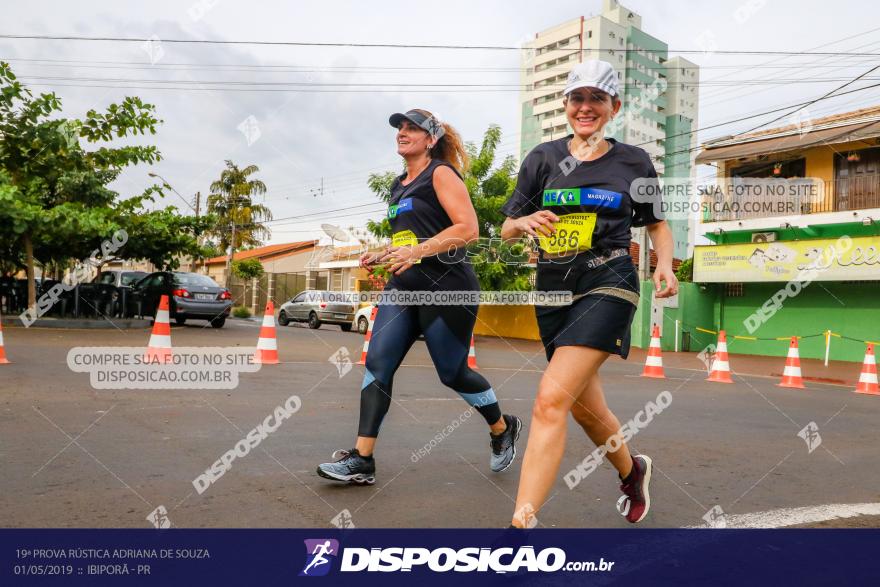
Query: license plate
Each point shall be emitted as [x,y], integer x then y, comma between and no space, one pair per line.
[204,296]
[339,315]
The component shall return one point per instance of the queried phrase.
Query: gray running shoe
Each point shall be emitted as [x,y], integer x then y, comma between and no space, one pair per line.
[350,467]
[504,445]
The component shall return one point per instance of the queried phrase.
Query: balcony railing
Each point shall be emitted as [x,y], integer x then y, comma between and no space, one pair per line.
[839,195]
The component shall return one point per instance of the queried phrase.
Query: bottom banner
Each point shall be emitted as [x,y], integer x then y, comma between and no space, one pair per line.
[435,557]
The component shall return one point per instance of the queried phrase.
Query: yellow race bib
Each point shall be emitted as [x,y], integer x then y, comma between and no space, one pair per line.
[574,232]
[405,238]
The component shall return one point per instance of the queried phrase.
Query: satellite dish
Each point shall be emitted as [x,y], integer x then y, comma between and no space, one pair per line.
[335,233]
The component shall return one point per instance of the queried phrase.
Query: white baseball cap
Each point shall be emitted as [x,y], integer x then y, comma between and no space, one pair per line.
[592,74]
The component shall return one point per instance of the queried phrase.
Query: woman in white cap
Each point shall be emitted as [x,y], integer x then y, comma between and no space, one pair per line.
[573,195]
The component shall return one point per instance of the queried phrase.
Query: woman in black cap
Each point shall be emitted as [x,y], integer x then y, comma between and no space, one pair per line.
[432,219]
[576,197]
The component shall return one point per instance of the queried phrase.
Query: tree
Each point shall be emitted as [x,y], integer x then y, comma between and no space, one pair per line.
[380,184]
[247,269]
[239,221]
[685,271]
[499,266]
[55,204]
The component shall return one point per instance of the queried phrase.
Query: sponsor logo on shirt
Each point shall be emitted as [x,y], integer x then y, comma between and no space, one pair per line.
[404,205]
[582,197]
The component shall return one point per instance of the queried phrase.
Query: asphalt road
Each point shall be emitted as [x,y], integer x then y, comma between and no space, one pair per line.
[73,456]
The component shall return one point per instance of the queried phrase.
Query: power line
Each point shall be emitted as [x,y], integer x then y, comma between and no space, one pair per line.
[822,46]
[274,68]
[697,148]
[820,65]
[826,95]
[400,45]
[716,125]
[517,87]
[298,219]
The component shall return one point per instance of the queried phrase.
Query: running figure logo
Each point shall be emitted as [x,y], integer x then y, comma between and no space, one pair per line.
[319,554]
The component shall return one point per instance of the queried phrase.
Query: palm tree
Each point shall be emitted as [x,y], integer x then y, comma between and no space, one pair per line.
[239,219]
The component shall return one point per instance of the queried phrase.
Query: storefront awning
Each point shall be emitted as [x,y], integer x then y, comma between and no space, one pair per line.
[796,141]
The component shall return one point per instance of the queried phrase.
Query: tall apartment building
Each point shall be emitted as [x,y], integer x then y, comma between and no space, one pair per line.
[659,93]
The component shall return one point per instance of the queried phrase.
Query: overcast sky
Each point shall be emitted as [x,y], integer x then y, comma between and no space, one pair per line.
[344,135]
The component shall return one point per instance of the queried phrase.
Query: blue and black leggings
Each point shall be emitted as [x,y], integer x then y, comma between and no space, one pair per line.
[447,331]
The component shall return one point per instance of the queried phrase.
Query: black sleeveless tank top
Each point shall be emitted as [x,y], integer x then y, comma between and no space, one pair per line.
[415,215]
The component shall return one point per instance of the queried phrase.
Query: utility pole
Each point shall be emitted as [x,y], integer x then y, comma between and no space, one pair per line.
[199,238]
[231,253]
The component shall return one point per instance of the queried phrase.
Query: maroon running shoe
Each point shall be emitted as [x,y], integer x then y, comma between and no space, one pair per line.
[636,501]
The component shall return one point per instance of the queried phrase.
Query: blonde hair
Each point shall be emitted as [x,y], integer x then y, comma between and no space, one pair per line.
[449,147]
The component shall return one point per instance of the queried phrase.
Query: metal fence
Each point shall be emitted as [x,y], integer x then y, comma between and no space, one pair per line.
[254,295]
[842,194]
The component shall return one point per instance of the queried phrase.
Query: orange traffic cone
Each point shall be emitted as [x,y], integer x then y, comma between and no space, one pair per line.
[791,376]
[654,361]
[3,359]
[720,372]
[369,335]
[267,344]
[868,378]
[159,348]
[472,355]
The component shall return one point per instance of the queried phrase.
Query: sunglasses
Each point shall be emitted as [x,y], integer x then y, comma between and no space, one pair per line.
[594,98]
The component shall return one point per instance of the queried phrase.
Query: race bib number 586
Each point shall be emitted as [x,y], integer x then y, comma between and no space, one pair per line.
[574,232]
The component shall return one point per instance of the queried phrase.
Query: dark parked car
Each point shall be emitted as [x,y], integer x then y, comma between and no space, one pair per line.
[190,295]
[318,307]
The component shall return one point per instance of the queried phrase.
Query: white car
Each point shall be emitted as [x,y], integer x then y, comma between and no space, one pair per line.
[362,320]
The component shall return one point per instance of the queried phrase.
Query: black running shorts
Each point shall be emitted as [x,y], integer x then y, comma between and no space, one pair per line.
[601,314]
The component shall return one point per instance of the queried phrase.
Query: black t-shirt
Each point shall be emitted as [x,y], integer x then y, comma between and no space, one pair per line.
[415,215]
[551,179]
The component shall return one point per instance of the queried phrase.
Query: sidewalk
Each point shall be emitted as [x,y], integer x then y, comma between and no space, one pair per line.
[837,372]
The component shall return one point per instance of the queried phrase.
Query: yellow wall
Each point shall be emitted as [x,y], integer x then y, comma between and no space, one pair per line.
[508,321]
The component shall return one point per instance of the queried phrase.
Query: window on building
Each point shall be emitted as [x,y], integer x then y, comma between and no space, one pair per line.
[791,168]
[589,34]
[620,41]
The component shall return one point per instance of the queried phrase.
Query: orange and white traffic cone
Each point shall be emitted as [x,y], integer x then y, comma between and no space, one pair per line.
[267,343]
[368,336]
[654,361]
[868,378]
[472,355]
[791,376]
[159,348]
[3,359]
[720,372]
